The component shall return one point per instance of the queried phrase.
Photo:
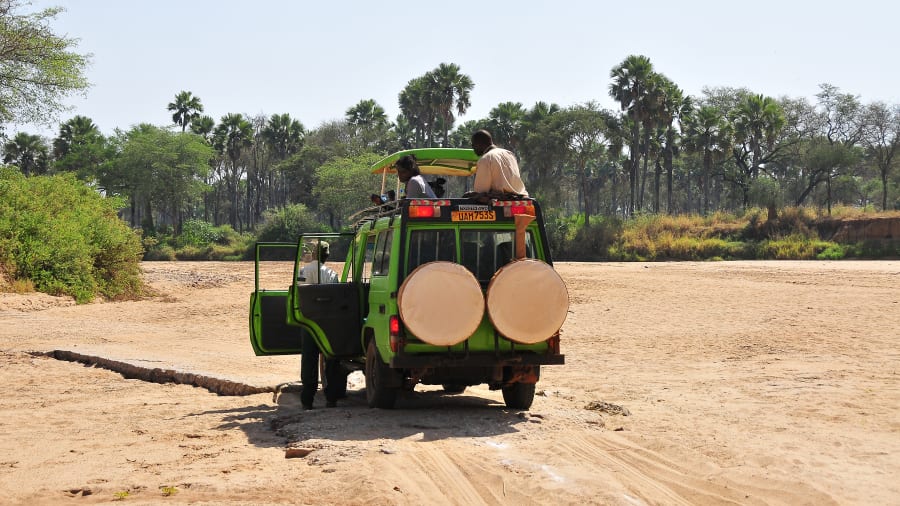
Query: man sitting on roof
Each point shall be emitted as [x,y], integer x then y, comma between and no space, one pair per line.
[497,170]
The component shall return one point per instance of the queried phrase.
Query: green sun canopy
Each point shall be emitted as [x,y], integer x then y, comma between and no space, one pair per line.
[436,161]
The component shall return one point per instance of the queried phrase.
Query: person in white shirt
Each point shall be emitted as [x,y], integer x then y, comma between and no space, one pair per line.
[497,170]
[316,272]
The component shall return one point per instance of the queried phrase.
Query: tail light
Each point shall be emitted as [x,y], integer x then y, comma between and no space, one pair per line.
[515,207]
[395,332]
[516,210]
[426,208]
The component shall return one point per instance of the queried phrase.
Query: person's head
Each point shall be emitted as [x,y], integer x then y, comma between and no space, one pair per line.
[323,251]
[407,168]
[481,141]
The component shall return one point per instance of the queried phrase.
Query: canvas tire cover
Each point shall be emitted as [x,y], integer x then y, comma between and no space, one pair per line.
[441,303]
[527,301]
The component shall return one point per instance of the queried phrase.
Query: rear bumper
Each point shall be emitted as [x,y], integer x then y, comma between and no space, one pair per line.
[405,360]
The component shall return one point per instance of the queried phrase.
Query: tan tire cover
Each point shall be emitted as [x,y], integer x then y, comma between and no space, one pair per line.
[441,303]
[527,301]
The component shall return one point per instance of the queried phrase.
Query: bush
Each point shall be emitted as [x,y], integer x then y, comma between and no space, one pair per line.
[199,233]
[66,238]
[285,224]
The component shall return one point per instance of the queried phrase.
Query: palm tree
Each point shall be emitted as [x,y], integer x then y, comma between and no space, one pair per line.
[757,121]
[416,105]
[366,114]
[542,150]
[629,88]
[284,135]
[707,133]
[673,109]
[233,134]
[449,89]
[28,152]
[79,147]
[505,123]
[76,131]
[203,126]
[185,108]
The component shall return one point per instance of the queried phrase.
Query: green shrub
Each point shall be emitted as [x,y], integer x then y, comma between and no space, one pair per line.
[285,224]
[66,238]
[161,252]
[832,252]
[199,233]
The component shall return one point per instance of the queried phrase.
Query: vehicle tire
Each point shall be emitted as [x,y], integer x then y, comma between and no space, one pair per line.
[518,395]
[378,394]
[453,388]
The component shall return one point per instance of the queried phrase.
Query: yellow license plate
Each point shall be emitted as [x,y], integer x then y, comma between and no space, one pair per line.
[473,216]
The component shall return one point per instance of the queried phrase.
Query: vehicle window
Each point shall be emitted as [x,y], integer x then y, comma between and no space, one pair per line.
[430,245]
[381,261]
[370,255]
[483,252]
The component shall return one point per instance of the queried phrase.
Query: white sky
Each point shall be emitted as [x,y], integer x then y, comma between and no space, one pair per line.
[314,60]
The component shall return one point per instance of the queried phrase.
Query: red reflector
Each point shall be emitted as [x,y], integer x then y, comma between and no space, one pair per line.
[421,211]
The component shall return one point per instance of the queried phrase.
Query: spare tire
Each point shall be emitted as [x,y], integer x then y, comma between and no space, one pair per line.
[441,303]
[527,301]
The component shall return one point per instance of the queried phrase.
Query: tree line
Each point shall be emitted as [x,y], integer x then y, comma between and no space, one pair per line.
[661,151]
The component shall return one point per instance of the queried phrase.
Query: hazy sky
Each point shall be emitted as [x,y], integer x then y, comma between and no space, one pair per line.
[314,60]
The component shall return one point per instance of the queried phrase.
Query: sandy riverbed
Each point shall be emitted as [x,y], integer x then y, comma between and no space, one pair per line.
[745,383]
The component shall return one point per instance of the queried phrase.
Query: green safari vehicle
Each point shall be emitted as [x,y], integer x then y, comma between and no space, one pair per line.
[446,291]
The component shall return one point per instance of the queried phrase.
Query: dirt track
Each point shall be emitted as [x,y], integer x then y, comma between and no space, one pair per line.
[745,383]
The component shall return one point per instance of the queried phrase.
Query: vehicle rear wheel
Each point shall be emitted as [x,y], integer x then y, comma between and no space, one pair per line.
[519,395]
[378,394]
[453,388]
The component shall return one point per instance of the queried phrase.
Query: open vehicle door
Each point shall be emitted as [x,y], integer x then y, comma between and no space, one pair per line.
[327,307]
[270,333]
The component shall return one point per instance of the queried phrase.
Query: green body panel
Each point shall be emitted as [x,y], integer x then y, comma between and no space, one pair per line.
[483,340]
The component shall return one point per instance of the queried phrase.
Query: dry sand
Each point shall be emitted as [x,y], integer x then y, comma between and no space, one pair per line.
[740,383]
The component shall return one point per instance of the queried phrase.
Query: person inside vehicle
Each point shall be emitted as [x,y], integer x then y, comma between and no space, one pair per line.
[497,171]
[408,172]
[316,272]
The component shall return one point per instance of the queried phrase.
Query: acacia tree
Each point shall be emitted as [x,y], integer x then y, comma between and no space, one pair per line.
[185,108]
[162,173]
[831,135]
[344,186]
[882,139]
[37,67]
[586,136]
